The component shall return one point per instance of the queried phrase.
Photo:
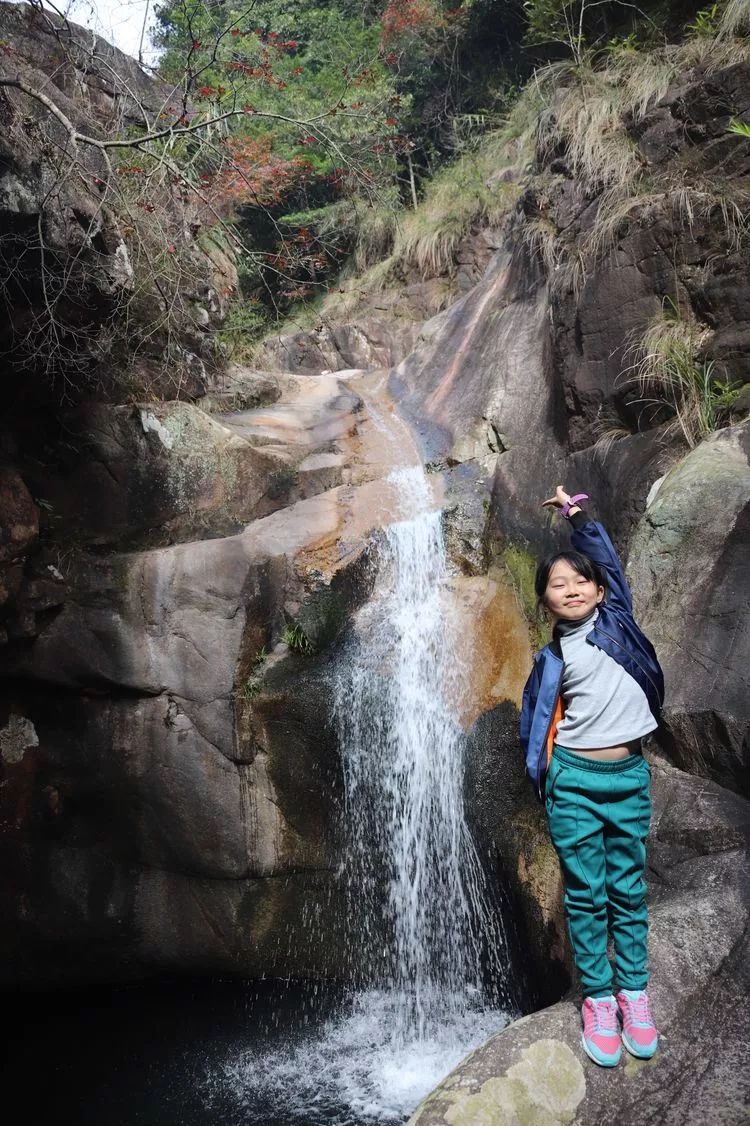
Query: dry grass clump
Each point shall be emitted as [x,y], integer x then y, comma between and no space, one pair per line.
[585,120]
[376,227]
[734,19]
[459,196]
[670,373]
[540,235]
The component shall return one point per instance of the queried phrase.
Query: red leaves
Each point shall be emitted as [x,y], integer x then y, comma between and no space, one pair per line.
[410,17]
[390,121]
[260,70]
[248,108]
[308,140]
[196,45]
[206,91]
[254,174]
[129,170]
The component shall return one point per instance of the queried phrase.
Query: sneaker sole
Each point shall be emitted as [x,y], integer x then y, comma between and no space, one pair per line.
[591,1056]
[639,1053]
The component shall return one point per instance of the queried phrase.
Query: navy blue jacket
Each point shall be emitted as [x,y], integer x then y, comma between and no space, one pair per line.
[615,632]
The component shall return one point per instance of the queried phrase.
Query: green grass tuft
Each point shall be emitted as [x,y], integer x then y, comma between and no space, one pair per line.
[295,637]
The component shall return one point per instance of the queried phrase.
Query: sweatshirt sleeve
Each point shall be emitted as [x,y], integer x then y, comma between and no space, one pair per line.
[590,537]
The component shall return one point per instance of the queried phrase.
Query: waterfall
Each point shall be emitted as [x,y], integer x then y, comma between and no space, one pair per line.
[417,890]
[426,941]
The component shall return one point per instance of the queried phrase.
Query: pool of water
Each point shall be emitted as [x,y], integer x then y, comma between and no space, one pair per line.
[199,1053]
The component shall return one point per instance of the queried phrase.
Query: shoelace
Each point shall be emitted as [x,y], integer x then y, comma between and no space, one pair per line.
[604,1014]
[640,1011]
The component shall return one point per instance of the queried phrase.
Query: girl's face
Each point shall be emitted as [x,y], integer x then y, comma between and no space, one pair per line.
[569,595]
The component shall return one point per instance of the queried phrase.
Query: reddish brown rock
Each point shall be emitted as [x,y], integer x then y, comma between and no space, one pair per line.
[19,516]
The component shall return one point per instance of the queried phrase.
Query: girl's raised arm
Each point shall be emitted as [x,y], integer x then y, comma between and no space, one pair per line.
[590,537]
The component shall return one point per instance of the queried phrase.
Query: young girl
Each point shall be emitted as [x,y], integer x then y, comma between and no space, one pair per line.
[593,692]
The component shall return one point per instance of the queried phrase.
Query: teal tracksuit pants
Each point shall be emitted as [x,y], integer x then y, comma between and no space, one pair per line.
[599,815]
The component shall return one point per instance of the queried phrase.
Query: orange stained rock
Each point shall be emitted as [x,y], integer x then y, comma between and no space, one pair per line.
[492,644]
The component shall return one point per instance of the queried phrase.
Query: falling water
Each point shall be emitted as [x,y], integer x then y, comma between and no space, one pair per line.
[417,888]
[426,940]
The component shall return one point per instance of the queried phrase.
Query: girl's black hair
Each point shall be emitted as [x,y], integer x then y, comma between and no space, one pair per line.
[578,561]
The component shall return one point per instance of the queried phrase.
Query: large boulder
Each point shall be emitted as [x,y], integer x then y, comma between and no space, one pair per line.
[535,1071]
[173,785]
[689,569]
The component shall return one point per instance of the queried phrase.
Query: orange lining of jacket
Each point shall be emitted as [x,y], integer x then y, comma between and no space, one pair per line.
[557,715]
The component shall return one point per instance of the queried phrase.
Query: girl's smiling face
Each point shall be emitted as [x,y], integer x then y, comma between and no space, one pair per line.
[569,595]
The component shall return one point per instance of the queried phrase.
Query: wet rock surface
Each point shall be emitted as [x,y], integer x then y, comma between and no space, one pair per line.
[181,750]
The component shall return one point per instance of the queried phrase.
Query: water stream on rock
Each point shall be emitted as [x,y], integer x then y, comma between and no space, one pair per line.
[426,939]
[402,749]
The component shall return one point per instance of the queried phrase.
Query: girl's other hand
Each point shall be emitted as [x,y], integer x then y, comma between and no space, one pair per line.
[558,500]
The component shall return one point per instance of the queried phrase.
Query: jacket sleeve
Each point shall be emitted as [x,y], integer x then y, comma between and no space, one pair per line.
[590,537]
[530,691]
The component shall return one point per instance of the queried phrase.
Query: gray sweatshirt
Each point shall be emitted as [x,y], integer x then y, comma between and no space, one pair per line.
[604,705]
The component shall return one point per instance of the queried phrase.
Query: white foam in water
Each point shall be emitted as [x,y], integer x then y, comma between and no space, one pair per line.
[423,926]
[349,1073]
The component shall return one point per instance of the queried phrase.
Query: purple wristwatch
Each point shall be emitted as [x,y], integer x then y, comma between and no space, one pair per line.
[570,503]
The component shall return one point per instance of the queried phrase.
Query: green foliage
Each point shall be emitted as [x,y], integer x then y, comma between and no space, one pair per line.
[706,21]
[302,62]
[741,128]
[295,637]
[244,326]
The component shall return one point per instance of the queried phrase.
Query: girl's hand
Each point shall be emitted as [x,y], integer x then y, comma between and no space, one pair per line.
[558,500]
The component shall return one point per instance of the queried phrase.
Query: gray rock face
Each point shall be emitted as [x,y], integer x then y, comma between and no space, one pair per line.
[363,328]
[158,472]
[699,880]
[668,249]
[169,769]
[689,569]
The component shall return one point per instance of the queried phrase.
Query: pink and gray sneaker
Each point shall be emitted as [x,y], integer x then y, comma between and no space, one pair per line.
[639,1033]
[601,1032]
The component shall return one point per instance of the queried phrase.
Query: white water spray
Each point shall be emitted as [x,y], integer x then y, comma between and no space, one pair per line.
[417,886]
